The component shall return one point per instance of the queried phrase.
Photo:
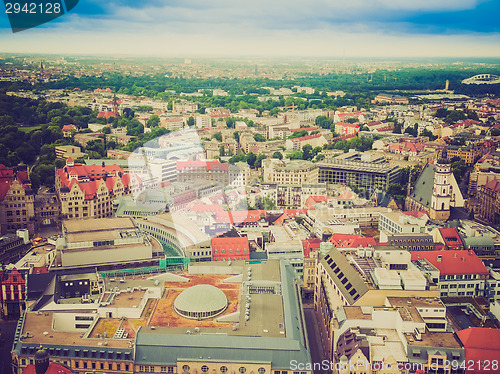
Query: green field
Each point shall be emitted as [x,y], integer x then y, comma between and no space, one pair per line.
[28,129]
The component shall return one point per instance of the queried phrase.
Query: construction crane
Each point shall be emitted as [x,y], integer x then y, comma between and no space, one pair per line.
[293,106]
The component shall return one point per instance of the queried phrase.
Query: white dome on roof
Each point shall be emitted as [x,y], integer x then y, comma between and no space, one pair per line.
[200,301]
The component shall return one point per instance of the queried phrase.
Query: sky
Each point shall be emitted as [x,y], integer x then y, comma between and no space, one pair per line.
[303,28]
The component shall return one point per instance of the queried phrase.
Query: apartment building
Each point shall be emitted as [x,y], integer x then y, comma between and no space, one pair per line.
[391,223]
[461,273]
[295,172]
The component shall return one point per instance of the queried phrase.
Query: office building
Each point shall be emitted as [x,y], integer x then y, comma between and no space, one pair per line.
[358,170]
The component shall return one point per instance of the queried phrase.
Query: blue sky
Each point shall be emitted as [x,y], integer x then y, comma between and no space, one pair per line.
[333,28]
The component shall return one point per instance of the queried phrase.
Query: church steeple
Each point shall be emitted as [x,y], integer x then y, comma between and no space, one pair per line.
[442,191]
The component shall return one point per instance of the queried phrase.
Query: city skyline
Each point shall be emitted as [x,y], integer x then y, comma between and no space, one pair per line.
[385,28]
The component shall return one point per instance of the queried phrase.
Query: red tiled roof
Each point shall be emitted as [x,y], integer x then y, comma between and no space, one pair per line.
[481,345]
[7,177]
[294,212]
[307,137]
[493,185]
[347,124]
[310,245]
[227,243]
[209,165]
[4,188]
[107,114]
[450,236]
[350,241]
[281,219]
[452,261]
[93,172]
[53,368]
[69,127]
[416,214]
[353,114]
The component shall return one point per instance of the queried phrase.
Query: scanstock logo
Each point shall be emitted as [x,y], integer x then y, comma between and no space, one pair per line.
[25,14]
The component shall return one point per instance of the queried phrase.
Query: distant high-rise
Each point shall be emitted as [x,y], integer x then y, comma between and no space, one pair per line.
[447,85]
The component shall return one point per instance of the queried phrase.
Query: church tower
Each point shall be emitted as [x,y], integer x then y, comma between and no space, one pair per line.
[442,190]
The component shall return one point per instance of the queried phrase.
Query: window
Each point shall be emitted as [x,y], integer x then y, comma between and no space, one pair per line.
[204,368]
[242,369]
[185,368]
[262,371]
[223,369]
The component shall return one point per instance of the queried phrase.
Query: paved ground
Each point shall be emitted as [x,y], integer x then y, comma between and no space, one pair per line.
[8,328]
[315,346]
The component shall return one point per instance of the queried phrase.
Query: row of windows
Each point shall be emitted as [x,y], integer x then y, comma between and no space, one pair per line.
[462,285]
[458,277]
[102,366]
[223,251]
[15,205]
[469,293]
[224,369]
[229,258]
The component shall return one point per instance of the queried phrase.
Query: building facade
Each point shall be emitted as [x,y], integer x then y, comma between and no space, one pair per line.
[88,191]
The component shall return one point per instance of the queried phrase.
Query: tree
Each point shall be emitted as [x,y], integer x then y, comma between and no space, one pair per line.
[395,189]
[459,169]
[295,155]
[96,146]
[429,134]
[397,128]
[190,121]
[278,155]
[258,162]
[153,121]
[240,157]
[319,157]
[217,136]
[251,158]
[267,203]
[324,122]
[222,151]
[307,152]
[106,130]
[236,135]
[259,138]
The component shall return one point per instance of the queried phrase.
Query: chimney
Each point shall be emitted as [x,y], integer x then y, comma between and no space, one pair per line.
[439,258]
